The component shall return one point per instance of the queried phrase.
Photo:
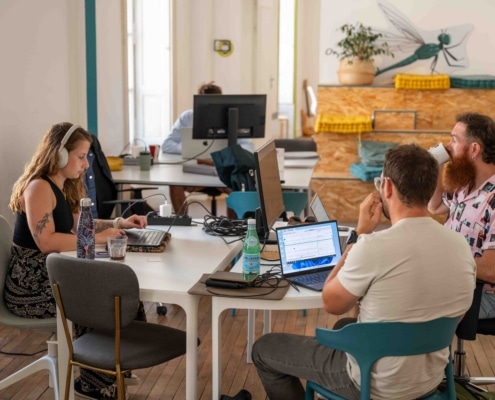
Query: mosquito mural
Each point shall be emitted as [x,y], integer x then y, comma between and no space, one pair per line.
[428,45]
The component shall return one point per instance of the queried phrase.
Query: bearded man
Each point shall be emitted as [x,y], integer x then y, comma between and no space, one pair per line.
[466,190]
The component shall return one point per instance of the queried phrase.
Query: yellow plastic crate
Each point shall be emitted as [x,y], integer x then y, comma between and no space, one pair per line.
[422,82]
[338,124]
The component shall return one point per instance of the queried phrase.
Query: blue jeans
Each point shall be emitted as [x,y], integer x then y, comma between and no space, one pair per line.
[281,359]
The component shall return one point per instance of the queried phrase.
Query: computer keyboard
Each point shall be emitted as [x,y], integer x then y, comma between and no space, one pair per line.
[144,237]
[311,278]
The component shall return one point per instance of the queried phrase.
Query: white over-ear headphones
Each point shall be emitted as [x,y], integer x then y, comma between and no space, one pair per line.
[63,154]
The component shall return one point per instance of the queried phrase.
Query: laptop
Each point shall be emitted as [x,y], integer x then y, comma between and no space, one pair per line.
[144,237]
[318,209]
[308,252]
[195,148]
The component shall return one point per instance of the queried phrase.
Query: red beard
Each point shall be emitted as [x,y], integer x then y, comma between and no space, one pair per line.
[458,173]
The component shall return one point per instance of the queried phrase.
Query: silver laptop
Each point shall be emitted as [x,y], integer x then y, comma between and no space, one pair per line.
[195,148]
[318,209]
[308,252]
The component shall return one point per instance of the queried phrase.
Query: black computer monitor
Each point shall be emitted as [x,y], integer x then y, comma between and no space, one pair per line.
[269,189]
[229,116]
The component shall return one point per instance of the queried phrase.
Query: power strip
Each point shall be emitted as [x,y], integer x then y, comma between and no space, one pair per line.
[180,220]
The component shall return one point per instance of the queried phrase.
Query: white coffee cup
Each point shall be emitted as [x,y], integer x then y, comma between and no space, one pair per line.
[440,153]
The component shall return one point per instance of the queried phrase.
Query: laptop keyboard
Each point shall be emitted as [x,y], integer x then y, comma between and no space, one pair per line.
[143,237]
[317,277]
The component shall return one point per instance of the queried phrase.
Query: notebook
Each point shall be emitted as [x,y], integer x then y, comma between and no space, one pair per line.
[144,237]
[308,252]
[318,209]
[194,148]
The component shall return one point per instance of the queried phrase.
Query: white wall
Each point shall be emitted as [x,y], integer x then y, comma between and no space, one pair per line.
[35,80]
[428,17]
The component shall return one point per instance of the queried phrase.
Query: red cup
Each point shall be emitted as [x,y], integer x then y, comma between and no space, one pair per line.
[154,150]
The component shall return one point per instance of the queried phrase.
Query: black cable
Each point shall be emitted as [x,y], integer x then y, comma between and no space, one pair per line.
[222,226]
[142,201]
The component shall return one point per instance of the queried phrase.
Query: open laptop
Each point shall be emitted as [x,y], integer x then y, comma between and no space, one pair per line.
[308,252]
[318,209]
[198,148]
[144,237]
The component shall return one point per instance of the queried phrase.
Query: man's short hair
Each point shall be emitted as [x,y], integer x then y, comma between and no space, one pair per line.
[480,128]
[414,173]
[209,88]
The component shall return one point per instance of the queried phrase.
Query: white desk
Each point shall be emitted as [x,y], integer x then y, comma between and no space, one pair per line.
[166,277]
[293,300]
[297,174]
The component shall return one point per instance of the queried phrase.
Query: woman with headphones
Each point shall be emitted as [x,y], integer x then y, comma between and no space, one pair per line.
[45,200]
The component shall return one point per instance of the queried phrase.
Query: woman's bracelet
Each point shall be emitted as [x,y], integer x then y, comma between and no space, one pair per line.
[116,222]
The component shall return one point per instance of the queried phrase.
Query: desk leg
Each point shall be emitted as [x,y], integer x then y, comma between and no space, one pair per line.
[191,346]
[63,357]
[250,334]
[216,355]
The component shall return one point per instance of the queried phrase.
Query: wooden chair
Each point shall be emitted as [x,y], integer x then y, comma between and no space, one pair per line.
[104,296]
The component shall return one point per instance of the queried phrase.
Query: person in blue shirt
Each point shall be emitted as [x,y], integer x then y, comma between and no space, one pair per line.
[173,145]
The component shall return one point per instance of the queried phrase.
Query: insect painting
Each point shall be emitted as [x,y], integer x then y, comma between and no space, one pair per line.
[442,50]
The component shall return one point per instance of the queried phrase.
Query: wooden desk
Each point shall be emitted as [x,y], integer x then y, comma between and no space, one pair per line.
[166,277]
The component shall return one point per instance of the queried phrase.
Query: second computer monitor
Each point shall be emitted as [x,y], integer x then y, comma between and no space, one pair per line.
[268,187]
[229,116]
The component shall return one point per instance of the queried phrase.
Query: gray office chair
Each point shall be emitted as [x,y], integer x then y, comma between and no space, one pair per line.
[104,296]
[48,361]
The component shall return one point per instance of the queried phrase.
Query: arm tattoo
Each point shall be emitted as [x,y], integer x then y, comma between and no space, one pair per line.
[41,225]
[102,224]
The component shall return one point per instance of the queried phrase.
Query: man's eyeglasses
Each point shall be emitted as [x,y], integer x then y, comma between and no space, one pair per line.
[378,182]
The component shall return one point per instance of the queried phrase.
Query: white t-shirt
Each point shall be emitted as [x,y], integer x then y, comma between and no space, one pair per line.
[417,270]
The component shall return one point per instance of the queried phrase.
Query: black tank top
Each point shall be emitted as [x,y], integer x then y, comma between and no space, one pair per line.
[62,216]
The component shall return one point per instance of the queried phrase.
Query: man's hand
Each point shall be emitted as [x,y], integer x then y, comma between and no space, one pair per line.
[370,212]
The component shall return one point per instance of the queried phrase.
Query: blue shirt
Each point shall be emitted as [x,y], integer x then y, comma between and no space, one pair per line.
[173,142]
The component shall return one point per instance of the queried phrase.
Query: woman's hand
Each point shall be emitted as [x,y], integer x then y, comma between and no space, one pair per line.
[134,221]
[101,237]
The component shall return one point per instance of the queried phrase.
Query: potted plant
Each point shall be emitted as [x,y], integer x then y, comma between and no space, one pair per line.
[356,54]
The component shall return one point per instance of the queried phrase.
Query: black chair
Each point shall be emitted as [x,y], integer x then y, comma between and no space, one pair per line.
[467,329]
[291,145]
[104,296]
[106,190]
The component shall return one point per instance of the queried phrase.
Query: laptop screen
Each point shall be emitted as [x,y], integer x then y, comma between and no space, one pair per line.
[308,247]
[318,209]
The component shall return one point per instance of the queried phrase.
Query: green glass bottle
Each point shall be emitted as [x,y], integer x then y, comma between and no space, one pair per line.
[251,252]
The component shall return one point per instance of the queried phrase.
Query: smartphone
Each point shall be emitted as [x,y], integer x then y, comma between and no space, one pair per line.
[102,254]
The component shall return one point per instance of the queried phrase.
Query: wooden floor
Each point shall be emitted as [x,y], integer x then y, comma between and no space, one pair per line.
[167,381]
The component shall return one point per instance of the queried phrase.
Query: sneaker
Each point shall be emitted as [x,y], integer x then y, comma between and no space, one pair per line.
[131,379]
[84,391]
[242,395]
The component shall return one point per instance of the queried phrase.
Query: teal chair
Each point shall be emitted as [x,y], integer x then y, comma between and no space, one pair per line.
[368,342]
[243,203]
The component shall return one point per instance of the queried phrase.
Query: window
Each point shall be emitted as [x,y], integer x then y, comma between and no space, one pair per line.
[149,69]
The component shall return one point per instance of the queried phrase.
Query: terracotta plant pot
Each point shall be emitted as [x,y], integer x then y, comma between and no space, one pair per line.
[356,72]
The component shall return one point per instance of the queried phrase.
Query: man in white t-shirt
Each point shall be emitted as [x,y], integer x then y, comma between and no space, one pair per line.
[416,270]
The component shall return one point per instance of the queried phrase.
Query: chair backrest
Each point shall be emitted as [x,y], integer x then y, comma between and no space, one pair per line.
[468,327]
[244,203]
[88,289]
[368,342]
[5,245]
[291,145]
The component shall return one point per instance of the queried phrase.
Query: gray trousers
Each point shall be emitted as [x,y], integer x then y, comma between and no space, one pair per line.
[283,359]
